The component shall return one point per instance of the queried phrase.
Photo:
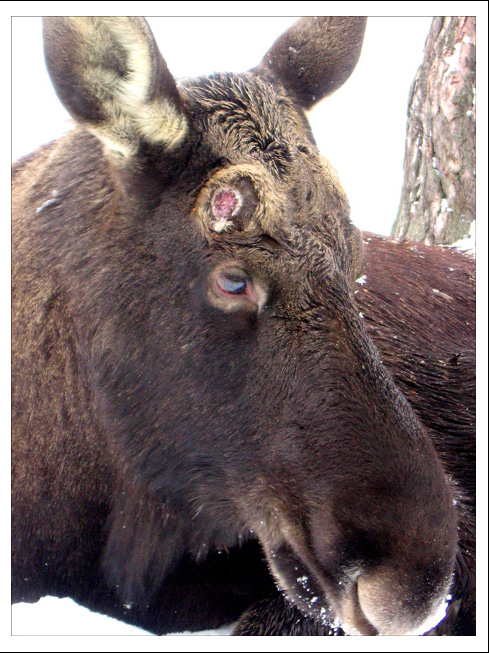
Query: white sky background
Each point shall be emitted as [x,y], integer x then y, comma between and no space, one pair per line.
[360,130]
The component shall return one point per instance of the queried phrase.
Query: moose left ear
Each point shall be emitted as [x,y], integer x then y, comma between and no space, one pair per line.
[110,75]
[315,56]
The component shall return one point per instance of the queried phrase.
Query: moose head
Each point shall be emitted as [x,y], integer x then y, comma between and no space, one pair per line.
[206,376]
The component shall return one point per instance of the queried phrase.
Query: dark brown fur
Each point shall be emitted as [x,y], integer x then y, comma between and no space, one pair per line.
[174,443]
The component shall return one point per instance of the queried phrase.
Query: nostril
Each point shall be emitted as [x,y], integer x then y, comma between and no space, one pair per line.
[354,621]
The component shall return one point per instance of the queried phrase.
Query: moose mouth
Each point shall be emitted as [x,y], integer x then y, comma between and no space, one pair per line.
[345,605]
[307,588]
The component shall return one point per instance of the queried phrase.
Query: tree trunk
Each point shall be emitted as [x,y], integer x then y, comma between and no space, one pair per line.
[438,194]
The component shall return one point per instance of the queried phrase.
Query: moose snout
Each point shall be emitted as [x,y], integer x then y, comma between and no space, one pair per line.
[388,602]
[398,576]
[404,593]
[385,555]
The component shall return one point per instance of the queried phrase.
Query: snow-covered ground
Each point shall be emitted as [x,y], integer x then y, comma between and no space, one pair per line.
[467,243]
[53,616]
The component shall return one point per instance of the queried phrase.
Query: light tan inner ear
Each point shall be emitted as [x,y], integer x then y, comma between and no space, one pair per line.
[125,99]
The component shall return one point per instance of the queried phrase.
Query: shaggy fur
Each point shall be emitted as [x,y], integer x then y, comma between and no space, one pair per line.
[202,421]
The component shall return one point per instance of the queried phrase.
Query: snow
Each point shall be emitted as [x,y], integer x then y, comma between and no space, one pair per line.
[444,208]
[453,61]
[51,616]
[467,243]
[54,616]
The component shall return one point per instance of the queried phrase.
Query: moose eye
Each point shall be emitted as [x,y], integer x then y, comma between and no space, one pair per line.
[232,289]
[232,284]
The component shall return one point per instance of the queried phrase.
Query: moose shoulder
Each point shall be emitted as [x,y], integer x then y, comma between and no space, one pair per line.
[203,427]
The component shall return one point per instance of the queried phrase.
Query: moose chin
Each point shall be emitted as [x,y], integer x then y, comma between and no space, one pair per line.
[212,420]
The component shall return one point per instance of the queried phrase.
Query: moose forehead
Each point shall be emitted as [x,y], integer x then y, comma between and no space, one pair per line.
[248,117]
[258,134]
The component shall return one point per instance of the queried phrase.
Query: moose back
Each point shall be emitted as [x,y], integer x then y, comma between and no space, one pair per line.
[203,428]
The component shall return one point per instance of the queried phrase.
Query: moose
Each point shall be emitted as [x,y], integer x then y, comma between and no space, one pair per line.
[229,405]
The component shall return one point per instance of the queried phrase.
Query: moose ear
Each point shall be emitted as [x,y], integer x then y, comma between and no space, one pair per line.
[110,75]
[315,56]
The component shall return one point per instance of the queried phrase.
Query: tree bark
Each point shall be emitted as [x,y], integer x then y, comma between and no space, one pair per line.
[438,194]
